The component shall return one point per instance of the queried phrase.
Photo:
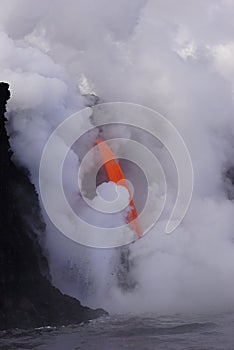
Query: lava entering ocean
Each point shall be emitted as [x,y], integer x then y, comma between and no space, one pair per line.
[115,174]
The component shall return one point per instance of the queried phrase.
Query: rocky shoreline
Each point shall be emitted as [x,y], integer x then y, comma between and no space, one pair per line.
[27,297]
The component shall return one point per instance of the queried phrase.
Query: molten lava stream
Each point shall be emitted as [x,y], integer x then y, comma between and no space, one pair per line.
[115,174]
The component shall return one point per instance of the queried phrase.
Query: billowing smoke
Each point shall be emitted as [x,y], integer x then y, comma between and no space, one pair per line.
[173,56]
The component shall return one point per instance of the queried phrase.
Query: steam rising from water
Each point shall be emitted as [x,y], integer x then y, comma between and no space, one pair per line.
[175,57]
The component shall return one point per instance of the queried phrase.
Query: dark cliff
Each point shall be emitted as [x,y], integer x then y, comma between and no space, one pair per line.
[27,298]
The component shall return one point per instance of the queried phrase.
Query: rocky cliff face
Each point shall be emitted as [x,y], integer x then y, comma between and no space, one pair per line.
[27,298]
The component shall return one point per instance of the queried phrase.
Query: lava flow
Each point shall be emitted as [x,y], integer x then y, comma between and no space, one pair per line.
[115,174]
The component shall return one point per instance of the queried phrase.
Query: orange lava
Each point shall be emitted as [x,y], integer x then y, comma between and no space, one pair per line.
[115,174]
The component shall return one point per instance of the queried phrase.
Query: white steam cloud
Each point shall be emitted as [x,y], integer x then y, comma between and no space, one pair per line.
[176,57]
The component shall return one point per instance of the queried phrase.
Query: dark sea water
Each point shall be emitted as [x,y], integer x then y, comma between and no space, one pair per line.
[122,332]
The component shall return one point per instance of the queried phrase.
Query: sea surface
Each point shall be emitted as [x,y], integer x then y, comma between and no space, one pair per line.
[149,332]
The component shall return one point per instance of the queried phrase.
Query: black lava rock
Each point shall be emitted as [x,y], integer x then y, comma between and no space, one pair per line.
[27,297]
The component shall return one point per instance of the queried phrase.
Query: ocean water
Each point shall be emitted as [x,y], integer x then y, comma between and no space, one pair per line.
[148,332]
